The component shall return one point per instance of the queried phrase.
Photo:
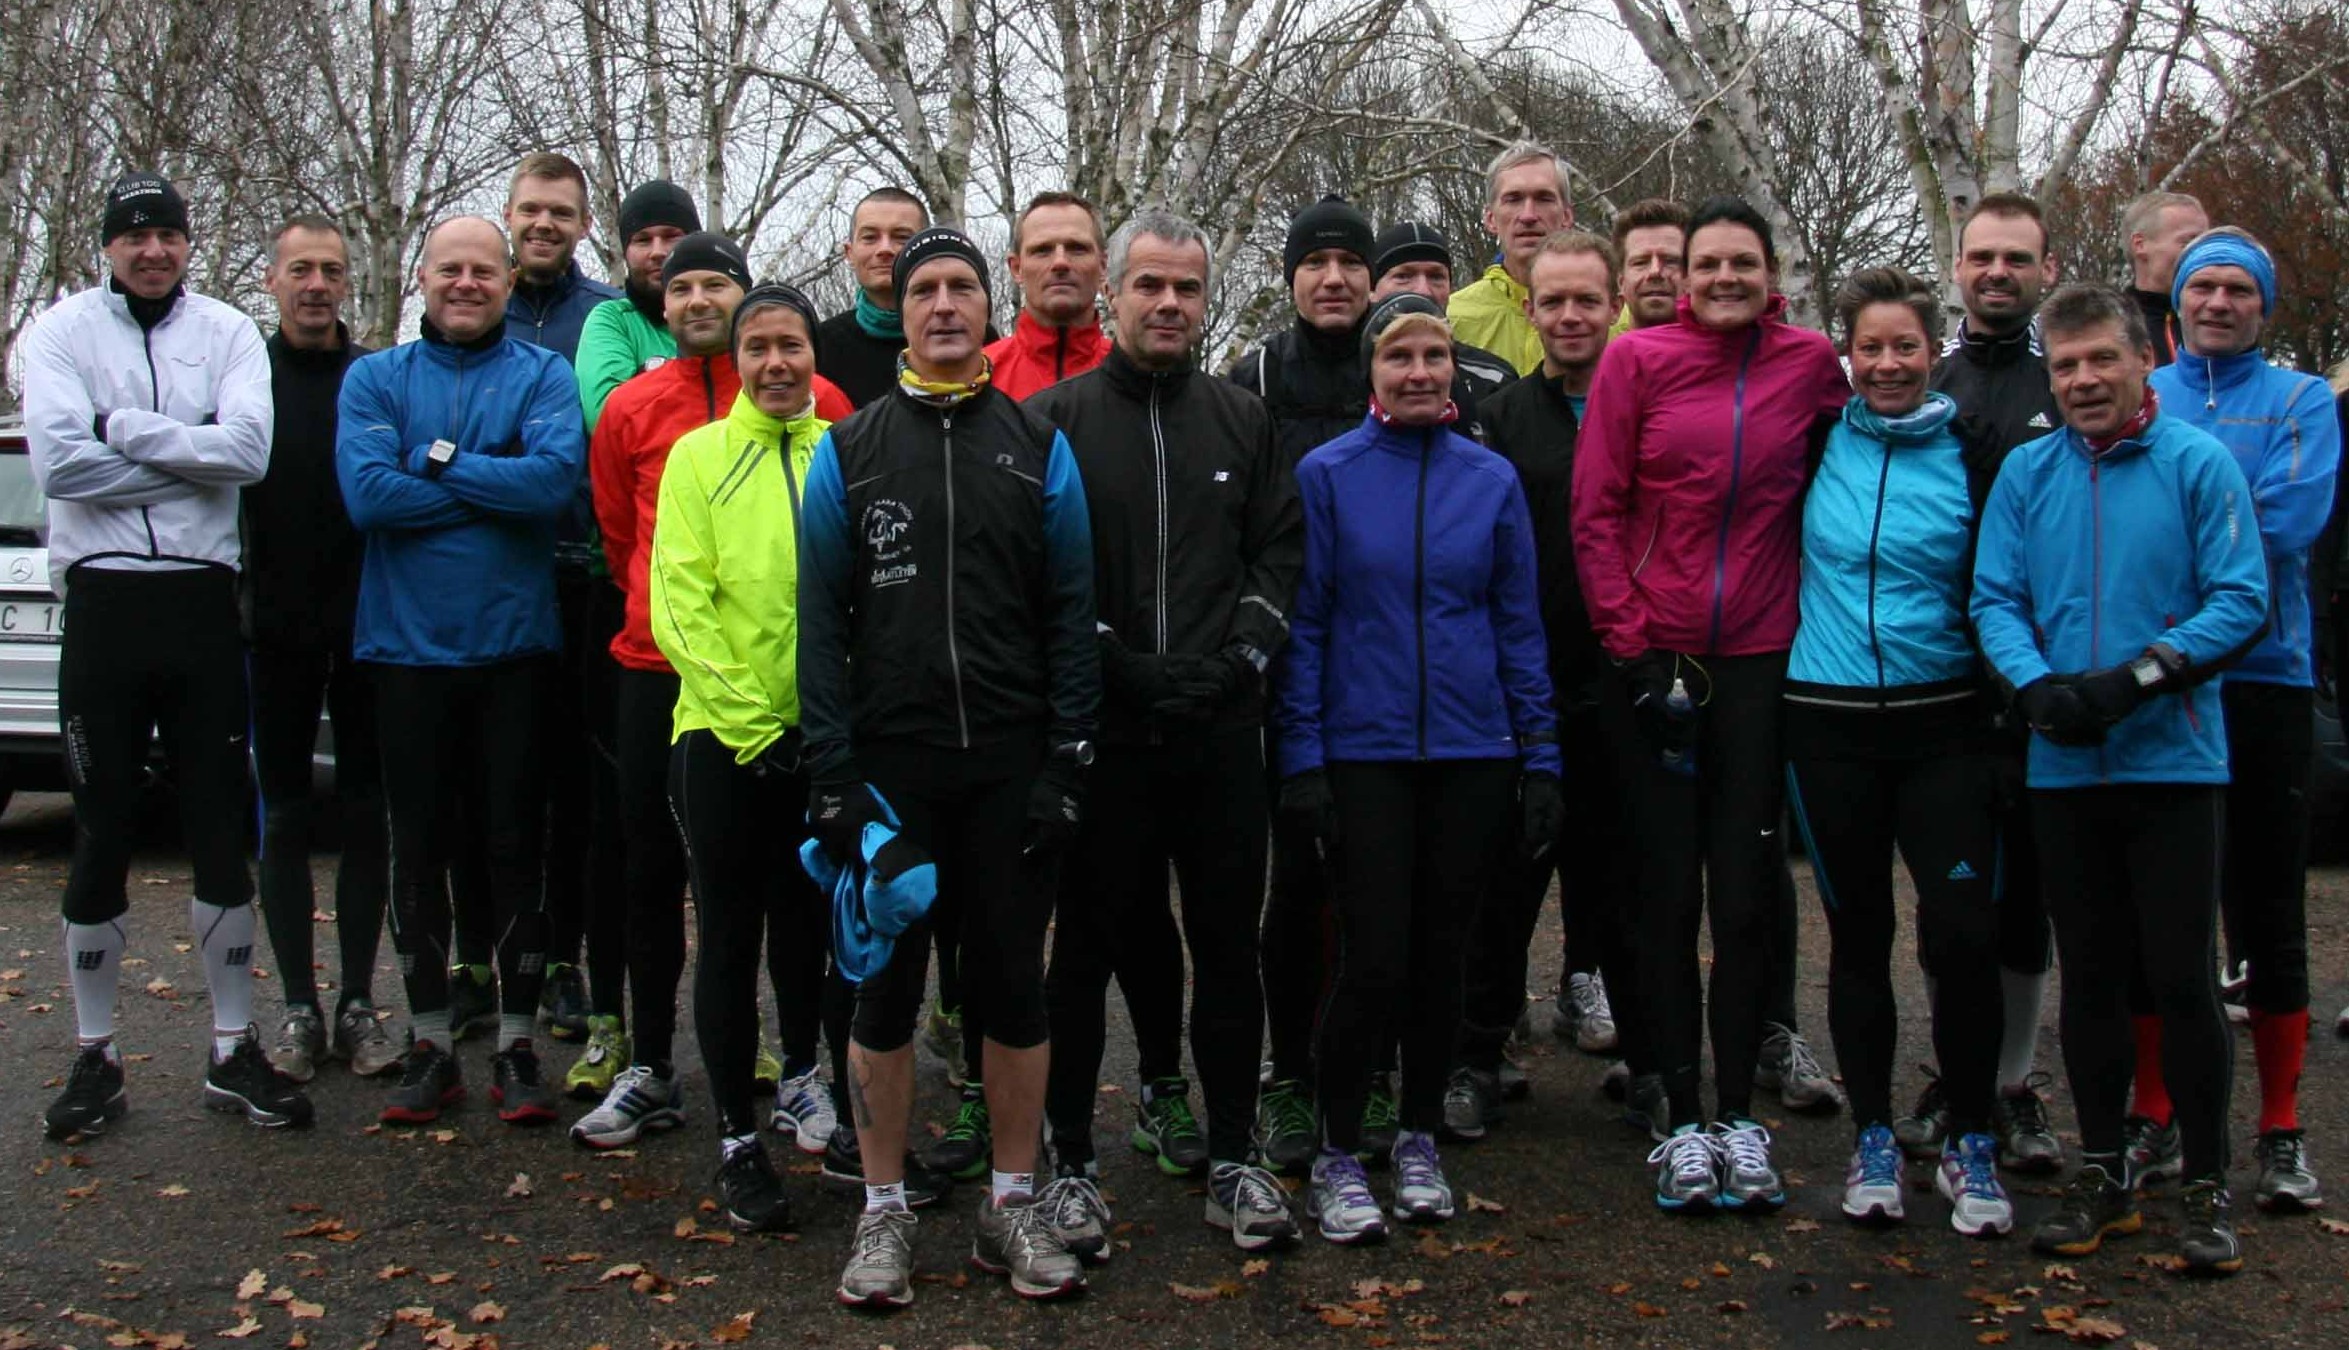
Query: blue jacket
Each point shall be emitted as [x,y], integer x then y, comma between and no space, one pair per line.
[2287,440]
[2084,562]
[1417,630]
[552,317]
[459,567]
[1888,530]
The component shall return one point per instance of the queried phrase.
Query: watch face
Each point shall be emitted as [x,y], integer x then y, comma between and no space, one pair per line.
[2148,673]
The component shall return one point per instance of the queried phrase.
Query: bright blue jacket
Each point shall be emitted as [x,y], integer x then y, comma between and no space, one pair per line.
[459,567]
[1888,528]
[1417,631]
[2287,440]
[2083,562]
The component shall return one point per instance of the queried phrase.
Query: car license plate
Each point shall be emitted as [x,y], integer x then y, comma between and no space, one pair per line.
[31,620]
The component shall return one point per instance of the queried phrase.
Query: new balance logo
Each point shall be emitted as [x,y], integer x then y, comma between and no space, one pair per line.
[1964,871]
[2039,420]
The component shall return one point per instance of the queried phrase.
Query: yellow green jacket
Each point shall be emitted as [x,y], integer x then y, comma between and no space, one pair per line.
[1491,315]
[725,574]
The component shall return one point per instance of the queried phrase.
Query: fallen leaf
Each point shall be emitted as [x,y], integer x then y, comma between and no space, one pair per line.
[2000,1337]
[2095,1330]
[440,1277]
[1192,1293]
[252,1285]
[444,1136]
[735,1328]
[1802,1225]
[1478,1204]
[81,1192]
[520,1190]
[298,1341]
[2060,1274]
[303,1207]
[120,1267]
[1619,1288]
[1764,1260]
[1647,1309]
[325,1228]
[304,1310]
[1253,1268]
[1841,1321]
[626,1271]
[1335,1315]
[1720,1271]
[2336,1227]
[1515,1298]
[698,1281]
[394,1272]
[240,1331]
[1692,1282]
[487,1312]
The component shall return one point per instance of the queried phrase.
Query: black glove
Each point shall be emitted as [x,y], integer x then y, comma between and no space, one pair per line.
[1203,683]
[1650,676]
[837,813]
[1056,807]
[98,426]
[2053,705]
[784,756]
[1136,679]
[2320,643]
[1545,813]
[2116,691]
[1307,807]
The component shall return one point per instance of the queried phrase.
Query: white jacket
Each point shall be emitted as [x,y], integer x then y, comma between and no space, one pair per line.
[188,416]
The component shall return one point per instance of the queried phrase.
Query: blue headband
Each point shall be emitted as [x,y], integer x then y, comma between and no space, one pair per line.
[2226,250]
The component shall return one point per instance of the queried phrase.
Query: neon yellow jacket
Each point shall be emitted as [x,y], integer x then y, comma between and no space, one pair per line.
[725,574]
[1491,315]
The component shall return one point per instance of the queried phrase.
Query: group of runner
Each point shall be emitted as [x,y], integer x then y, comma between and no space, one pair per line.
[882,635]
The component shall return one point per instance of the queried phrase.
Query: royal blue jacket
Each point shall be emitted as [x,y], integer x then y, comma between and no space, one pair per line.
[2287,441]
[1888,533]
[2084,561]
[459,567]
[552,316]
[1417,632]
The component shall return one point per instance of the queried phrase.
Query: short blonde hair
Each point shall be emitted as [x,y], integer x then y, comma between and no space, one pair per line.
[1417,321]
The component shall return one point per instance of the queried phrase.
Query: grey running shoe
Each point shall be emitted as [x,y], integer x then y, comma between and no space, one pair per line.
[1015,1240]
[1165,1129]
[1922,1130]
[1748,1180]
[2094,1206]
[1585,1009]
[1421,1193]
[1249,1204]
[361,1040]
[2206,1231]
[2152,1154]
[879,1273]
[1788,1068]
[1075,1212]
[1647,1108]
[518,1086]
[1471,1103]
[1688,1174]
[429,1080]
[2286,1185]
[1340,1198]
[640,1100]
[301,1043]
[1284,1127]
[2018,1119]
[804,1110]
[562,1001]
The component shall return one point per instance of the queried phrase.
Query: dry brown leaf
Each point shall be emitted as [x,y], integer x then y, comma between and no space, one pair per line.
[240,1331]
[81,1192]
[1840,1321]
[2336,1227]
[2060,1274]
[1802,1225]
[735,1328]
[444,1136]
[1735,1305]
[1619,1288]
[486,1312]
[394,1272]
[520,1188]
[1515,1298]
[173,1191]
[325,1228]
[441,1277]
[305,1310]
[698,1281]
[1999,1337]
[1692,1282]
[252,1285]
[1477,1204]
[1764,1260]
[1253,1268]
[626,1271]
[2094,1330]
[1192,1293]
[1647,1309]
[300,1340]
[1337,1315]
[1720,1271]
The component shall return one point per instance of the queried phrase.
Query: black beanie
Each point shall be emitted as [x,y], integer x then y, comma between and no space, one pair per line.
[938,241]
[1331,222]
[142,201]
[1408,241]
[764,295]
[1385,312]
[659,202]
[706,251]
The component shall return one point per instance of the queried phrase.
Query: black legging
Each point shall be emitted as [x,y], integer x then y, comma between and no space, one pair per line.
[2131,877]
[2271,753]
[654,871]
[1418,845]
[1295,948]
[585,879]
[289,687]
[1707,841]
[743,828]
[148,654]
[1197,802]
[1940,810]
[443,726]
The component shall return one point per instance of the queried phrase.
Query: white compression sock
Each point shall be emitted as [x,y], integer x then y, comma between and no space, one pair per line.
[226,939]
[93,964]
[2023,993]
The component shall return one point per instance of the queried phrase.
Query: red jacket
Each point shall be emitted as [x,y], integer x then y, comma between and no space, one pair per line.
[1036,357]
[640,421]
[1689,473]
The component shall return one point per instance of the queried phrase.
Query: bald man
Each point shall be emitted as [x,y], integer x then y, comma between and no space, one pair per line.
[458,453]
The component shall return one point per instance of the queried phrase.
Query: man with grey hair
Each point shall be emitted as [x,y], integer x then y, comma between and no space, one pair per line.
[2155,229]
[1197,542]
[1525,202]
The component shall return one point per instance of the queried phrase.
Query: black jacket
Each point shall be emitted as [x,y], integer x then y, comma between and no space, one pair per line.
[1530,424]
[300,583]
[2160,323]
[1197,532]
[864,366]
[2003,400]
[945,581]
[1317,389]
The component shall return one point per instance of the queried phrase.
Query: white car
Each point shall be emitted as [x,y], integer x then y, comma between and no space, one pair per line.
[31,621]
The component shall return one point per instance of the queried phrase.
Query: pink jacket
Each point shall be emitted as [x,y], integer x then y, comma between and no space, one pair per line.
[1689,475]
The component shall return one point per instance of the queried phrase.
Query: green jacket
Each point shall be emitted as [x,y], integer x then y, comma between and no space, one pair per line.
[725,574]
[616,344]
[1491,314]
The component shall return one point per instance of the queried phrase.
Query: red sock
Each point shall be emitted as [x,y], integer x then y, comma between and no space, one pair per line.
[2279,1044]
[2152,1095]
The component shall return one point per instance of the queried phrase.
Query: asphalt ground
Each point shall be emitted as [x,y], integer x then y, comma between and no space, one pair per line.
[186,1228]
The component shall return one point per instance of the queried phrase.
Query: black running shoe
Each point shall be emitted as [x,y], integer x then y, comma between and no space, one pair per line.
[2094,1206]
[750,1192]
[246,1081]
[2206,1234]
[93,1096]
[429,1080]
[963,1151]
[562,1000]
[844,1162]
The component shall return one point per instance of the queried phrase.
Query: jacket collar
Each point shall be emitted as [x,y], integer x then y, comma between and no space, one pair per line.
[765,428]
[1773,311]
[313,358]
[1332,347]
[438,346]
[1132,380]
[1507,285]
[1914,428]
[1395,438]
[1994,349]
[684,369]
[2210,376]
[1039,339]
[553,291]
[147,314]
[1554,389]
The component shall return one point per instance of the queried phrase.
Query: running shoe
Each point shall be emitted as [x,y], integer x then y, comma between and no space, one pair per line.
[942,1037]
[2286,1185]
[1165,1129]
[361,1041]
[804,1110]
[1788,1068]
[1515,1083]
[1013,1239]
[1748,1178]
[1921,1131]
[964,1150]
[2206,1231]
[749,1192]
[429,1080]
[1284,1127]
[1585,1014]
[2341,1022]
[767,1070]
[562,1001]
[1872,1184]
[2234,983]
[844,1163]
[1647,1107]
[1248,1203]
[301,1043]
[2093,1207]
[473,1001]
[1339,1195]
[93,1096]
[247,1082]
[1687,1171]
[1421,1193]
[1075,1212]
[518,1086]
[879,1273]
[1967,1177]
[1382,1119]
[640,1101]
[2152,1154]
[592,1074]
[1615,1080]
[1471,1103]
[2018,1118]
